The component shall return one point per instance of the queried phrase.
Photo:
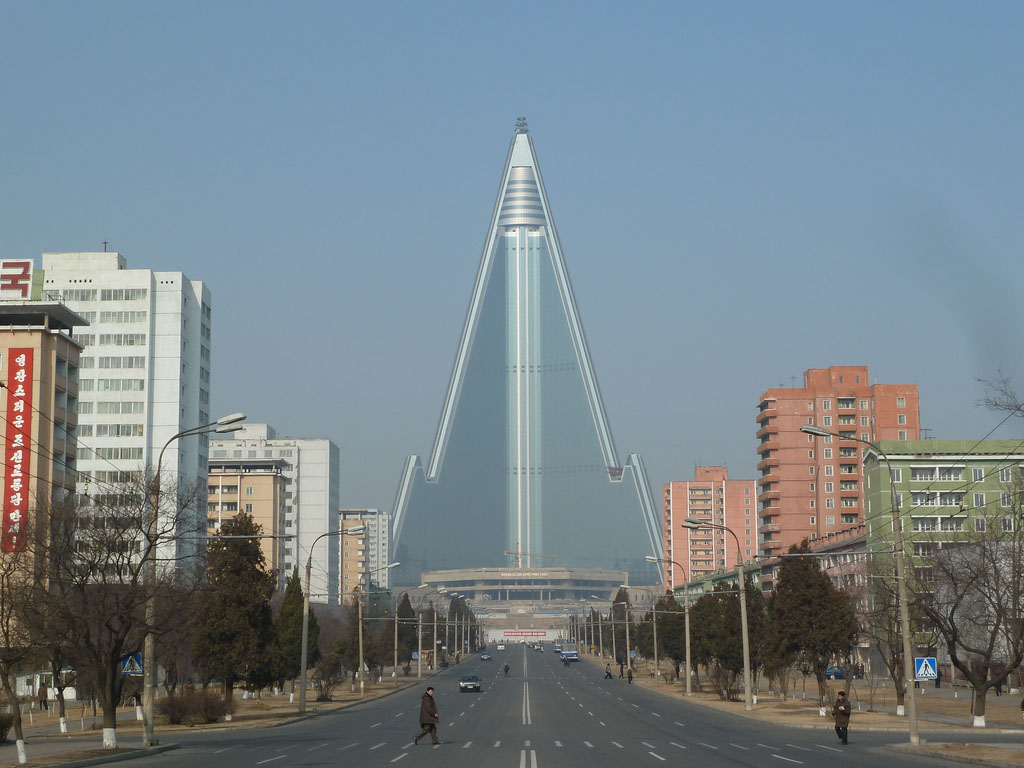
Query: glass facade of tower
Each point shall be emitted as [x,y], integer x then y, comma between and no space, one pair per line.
[524,459]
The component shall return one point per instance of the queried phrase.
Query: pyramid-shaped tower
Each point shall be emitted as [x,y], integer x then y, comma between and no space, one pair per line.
[524,459]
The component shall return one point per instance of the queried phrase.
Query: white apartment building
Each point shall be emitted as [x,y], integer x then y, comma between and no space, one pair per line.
[311,501]
[373,557]
[144,373]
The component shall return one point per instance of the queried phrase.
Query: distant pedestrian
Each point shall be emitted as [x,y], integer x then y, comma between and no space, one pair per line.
[43,695]
[841,712]
[999,687]
[621,668]
[608,676]
[428,717]
[506,670]
[629,675]
[938,678]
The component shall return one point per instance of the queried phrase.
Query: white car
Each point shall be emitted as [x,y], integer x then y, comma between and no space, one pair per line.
[501,646]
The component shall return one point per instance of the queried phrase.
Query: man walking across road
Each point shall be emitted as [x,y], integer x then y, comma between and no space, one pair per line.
[841,712]
[607,671]
[428,717]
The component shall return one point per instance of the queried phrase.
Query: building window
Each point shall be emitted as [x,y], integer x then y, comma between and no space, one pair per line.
[901,402]
[828,470]
[1008,524]
[248,509]
[829,487]
[828,453]
[826,405]
[978,474]
[897,475]
[979,524]
[863,421]
[811,489]
[813,504]
[1005,499]
[814,520]
[830,504]
[863,405]
[810,454]
[979,500]
[903,434]
[901,418]
[810,406]
[830,520]
[827,421]
[248,490]
[1005,475]
[810,470]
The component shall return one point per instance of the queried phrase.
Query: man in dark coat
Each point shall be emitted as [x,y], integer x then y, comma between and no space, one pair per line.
[428,717]
[841,712]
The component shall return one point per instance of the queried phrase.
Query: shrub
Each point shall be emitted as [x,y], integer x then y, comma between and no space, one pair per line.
[192,707]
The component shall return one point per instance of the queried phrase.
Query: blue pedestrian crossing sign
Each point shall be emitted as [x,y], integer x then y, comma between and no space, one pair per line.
[132,665]
[925,668]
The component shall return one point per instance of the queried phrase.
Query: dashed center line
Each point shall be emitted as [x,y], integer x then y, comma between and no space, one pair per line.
[681,725]
[655,754]
[466,745]
[655,714]
[375,725]
[399,757]
[318,746]
[591,746]
[497,743]
[830,748]
[270,759]
[745,749]
[353,744]
[677,745]
[618,745]
[378,746]
[788,759]
[766,746]
[558,744]
[709,746]
[802,749]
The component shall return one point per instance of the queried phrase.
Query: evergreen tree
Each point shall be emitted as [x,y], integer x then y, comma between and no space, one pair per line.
[235,627]
[406,628]
[288,628]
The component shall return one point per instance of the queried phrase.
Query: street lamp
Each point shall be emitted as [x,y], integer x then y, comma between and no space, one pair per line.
[686,613]
[654,613]
[629,659]
[222,425]
[901,582]
[419,630]
[359,618]
[693,524]
[600,629]
[304,658]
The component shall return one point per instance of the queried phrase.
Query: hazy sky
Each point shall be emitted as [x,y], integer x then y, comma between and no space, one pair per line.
[742,190]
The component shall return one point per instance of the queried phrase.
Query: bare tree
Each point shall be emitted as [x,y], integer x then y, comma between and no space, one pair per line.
[17,574]
[971,590]
[95,593]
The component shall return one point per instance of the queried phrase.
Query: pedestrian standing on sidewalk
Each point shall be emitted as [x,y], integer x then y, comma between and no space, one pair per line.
[841,712]
[43,696]
[629,675]
[428,717]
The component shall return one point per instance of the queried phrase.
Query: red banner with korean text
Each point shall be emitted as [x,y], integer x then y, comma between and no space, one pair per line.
[17,449]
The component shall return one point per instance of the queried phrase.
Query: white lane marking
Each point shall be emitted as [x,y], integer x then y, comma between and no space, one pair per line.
[270,759]
[533,758]
[462,714]
[578,704]
[589,744]
[590,713]
[802,749]
[527,718]
[681,725]
[375,725]
[222,750]
[637,706]
[378,746]
[466,745]
[709,746]
[745,749]
[655,714]
[400,714]
[522,758]
[649,746]
[528,743]
[655,754]
[766,746]
[399,757]
[677,745]
[318,746]
[558,744]
[497,743]
[824,747]
[618,745]
[450,724]
[602,723]
[353,744]
[789,759]
[410,744]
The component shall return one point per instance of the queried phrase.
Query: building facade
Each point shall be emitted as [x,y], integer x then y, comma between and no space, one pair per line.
[523,459]
[713,497]
[39,362]
[810,487]
[365,558]
[313,479]
[256,487]
[144,376]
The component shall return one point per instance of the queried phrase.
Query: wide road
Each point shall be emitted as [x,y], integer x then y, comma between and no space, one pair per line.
[544,715]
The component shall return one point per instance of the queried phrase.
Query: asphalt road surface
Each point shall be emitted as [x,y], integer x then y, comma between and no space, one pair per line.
[544,715]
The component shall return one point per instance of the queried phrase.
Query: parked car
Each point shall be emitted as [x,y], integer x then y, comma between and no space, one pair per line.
[834,673]
[469,683]
[485,657]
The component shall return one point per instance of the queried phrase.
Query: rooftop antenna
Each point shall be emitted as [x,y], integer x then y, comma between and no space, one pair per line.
[104,246]
[521,126]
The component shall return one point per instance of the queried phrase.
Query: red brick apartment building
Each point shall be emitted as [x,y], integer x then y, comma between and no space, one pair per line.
[813,486]
[710,496]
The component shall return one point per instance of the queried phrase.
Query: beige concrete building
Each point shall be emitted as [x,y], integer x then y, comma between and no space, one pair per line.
[257,487]
[354,558]
[39,402]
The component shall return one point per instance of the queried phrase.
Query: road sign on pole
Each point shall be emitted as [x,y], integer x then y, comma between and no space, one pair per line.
[132,665]
[925,668]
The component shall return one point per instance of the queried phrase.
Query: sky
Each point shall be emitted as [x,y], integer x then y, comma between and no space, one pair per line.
[742,191]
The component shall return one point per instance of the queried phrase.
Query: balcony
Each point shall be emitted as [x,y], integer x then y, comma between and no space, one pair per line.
[769,528]
[769,494]
[60,414]
[767,463]
[766,413]
[771,445]
[767,429]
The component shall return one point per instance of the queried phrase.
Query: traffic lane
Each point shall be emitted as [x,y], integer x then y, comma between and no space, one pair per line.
[640,719]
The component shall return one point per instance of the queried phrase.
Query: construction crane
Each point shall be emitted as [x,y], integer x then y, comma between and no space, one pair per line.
[518,554]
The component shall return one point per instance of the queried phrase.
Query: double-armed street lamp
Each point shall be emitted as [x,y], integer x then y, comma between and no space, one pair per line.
[901,582]
[694,523]
[686,614]
[223,425]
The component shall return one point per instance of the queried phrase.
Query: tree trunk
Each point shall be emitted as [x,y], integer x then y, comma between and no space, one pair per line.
[979,707]
[108,690]
[12,700]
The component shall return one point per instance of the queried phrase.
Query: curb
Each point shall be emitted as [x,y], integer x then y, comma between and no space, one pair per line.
[116,758]
[912,750]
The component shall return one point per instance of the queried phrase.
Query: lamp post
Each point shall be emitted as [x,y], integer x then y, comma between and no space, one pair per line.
[686,614]
[419,631]
[600,629]
[654,613]
[694,523]
[359,617]
[901,582]
[222,425]
[304,655]
[629,659]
